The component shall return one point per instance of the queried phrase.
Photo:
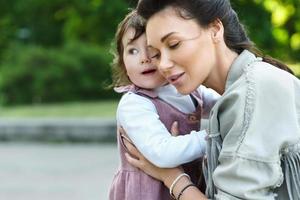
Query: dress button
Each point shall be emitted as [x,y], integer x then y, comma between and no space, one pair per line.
[193,118]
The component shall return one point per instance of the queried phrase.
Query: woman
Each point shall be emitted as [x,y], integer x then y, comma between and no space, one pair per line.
[253,147]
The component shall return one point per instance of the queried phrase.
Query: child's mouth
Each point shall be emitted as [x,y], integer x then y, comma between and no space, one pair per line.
[149,71]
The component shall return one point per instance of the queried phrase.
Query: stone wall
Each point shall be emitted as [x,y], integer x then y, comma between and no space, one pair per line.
[58,129]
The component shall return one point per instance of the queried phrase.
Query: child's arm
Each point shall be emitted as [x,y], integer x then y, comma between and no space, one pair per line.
[139,118]
[209,98]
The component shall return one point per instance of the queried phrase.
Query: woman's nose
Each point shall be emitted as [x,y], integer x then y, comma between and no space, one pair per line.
[165,64]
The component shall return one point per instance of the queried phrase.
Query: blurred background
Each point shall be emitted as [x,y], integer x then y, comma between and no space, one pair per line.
[57,119]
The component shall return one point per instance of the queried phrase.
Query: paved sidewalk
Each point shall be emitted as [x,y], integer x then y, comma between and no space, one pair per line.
[34,171]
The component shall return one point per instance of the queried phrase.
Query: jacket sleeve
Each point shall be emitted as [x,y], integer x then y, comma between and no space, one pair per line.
[250,159]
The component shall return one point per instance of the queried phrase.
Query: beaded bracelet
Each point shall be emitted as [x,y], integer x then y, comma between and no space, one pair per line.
[181,192]
[175,182]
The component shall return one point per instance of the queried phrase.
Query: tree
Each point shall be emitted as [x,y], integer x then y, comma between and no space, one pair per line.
[274,25]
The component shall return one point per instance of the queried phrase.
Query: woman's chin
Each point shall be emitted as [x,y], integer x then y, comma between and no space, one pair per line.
[184,91]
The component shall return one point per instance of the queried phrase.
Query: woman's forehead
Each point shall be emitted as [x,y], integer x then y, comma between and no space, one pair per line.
[166,21]
[166,12]
[169,17]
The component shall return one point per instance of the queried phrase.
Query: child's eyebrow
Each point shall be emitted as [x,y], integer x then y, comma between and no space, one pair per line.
[129,42]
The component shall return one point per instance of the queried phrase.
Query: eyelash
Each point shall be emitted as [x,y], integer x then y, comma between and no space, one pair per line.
[174,46]
[156,56]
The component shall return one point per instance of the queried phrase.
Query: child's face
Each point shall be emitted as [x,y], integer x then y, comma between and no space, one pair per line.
[141,71]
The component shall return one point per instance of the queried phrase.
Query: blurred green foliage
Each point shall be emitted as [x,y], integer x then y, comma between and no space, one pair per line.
[273,25]
[32,74]
[58,50]
[52,23]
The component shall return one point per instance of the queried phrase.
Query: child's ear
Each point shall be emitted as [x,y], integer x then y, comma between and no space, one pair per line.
[217,30]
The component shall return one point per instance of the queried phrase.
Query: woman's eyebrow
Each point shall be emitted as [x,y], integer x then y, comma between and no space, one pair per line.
[166,36]
[163,38]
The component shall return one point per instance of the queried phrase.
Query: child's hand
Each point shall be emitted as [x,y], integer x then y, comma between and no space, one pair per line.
[175,129]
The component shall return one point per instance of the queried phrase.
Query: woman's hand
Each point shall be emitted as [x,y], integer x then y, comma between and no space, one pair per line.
[136,159]
[166,175]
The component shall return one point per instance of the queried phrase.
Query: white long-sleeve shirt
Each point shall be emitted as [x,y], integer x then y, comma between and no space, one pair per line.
[139,117]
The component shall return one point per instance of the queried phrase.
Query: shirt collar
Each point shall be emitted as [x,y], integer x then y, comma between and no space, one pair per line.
[137,90]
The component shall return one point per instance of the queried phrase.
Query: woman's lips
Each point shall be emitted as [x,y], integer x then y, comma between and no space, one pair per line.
[174,79]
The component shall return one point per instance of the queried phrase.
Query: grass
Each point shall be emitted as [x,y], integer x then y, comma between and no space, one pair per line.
[103,109]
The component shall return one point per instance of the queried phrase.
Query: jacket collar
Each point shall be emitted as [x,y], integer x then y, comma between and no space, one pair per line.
[238,66]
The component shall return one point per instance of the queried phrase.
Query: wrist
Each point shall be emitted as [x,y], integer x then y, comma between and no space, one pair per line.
[177,181]
[169,177]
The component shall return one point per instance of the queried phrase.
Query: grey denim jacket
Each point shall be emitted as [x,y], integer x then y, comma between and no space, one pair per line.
[254,134]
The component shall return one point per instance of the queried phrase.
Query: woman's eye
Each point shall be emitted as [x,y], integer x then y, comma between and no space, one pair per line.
[174,45]
[133,51]
[155,56]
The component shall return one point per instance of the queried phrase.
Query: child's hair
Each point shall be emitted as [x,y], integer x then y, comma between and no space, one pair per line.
[131,20]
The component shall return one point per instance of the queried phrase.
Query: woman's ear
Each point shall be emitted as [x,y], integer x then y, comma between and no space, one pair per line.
[217,30]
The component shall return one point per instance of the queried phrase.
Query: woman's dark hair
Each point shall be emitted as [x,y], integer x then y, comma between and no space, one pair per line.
[205,12]
[131,20]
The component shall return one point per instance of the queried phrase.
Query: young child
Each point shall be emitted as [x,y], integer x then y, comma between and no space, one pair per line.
[147,111]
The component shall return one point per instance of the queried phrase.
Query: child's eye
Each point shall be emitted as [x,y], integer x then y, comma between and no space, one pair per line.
[133,51]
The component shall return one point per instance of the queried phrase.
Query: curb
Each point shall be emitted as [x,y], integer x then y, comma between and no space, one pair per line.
[58,129]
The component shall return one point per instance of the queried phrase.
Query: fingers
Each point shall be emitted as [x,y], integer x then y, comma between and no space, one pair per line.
[122,131]
[133,161]
[175,129]
[132,150]
[125,138]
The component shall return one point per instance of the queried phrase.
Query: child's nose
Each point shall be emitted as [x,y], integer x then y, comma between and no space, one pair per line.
[145,61]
